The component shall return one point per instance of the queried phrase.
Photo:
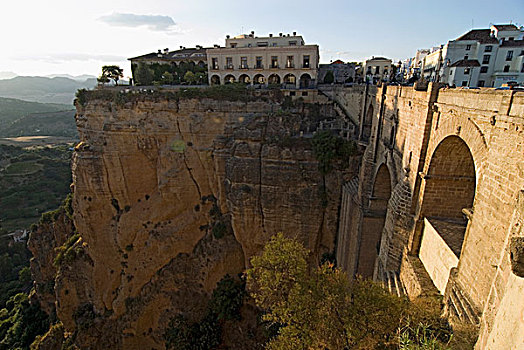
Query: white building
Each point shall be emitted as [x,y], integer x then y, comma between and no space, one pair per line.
[283,60]
[377,69]
[481,57]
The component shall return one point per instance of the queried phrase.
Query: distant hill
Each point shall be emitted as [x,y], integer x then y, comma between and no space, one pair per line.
[61,123]
[82,77]
[7,75]
[12,109]
[43,89]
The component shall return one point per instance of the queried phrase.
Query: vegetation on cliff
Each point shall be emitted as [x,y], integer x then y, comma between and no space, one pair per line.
[230,92]
[317,307]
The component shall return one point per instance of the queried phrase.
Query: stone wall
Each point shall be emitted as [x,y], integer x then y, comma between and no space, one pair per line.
[454,155]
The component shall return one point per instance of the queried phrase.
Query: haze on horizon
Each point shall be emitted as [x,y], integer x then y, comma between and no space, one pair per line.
[70,37]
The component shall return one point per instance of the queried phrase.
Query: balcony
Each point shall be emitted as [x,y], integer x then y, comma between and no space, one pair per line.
[306,66]
[243,66]
[274,66]
[228,66]
[290,65]
[258,66]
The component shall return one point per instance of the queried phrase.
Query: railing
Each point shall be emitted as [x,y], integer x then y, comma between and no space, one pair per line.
[258,66]
[230,66]
[290,65]
[243,66]
[306,66]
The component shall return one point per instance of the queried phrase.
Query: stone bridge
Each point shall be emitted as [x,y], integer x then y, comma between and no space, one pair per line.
[438,205]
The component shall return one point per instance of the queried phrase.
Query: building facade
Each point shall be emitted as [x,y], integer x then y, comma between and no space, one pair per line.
[377,69]
[283,60]
[480,58]
[342,72]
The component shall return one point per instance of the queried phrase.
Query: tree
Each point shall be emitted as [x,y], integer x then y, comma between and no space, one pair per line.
[112,72]
[167,78]
[102,79]
[317,307]
[329,78]
[190,77]
[143,75]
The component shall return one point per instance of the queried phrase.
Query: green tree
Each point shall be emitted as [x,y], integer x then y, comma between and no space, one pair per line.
[317,307]
[167,78]
[113,72]
[143,75]
[102,79]
[190,77]
[329,78]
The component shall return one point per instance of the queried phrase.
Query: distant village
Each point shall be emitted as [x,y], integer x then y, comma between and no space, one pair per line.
[492,57]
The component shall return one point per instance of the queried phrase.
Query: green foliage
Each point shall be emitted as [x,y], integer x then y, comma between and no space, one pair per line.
[420,337]
[21,322]
[15,275]
[67,253]
[111,72]
[329,78]
[224,305]
[143,75]
[219,230]
[317,308]
[189,77]
[332,151]
[227,298]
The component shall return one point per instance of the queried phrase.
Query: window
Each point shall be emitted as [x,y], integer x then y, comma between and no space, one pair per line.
[511,38]
[305,62]
[262,44]
[274,62]
[292,93]
[506,68]
[229,62]
[233,45]
[293,43]
[468,47]
[304,93]
[522,69]
[377,70]
[481,83]
[485,59]
[259,64]
[488,48]
[290,62]
[243,62]
[509,55]
[464,83]
[214,63]
[451,72]
[484,69]
[467,70]
[466,57]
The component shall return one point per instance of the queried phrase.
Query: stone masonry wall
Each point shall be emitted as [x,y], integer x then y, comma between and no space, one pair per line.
[408,126]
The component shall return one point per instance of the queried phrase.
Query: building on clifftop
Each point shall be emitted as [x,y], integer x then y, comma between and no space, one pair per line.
[284,61]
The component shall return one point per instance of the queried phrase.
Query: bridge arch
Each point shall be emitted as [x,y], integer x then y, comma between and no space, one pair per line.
[229,79]
[448,194]
[273,79]
[259,79]
[373,221]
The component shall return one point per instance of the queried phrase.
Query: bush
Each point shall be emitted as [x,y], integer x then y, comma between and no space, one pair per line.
[227,298]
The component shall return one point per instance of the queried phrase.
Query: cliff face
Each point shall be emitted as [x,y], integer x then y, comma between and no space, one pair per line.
[170,195]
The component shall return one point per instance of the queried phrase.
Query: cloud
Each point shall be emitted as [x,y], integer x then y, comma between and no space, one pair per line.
[152,22]
[60,58]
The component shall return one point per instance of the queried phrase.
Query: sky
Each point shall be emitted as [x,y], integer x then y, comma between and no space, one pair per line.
[78,37]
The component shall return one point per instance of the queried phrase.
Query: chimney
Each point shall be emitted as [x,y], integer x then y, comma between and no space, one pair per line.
[160,52]
[198,47]
[294,33]
[166,50]
[270,35]
[280,34]
[181,47]
[227,36]
[252,32]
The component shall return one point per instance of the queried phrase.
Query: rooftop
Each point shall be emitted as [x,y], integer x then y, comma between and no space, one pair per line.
[506,27]
[466,63]
[483,36]
[177,54]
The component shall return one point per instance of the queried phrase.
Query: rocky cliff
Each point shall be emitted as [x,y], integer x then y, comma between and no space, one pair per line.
[173,192]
